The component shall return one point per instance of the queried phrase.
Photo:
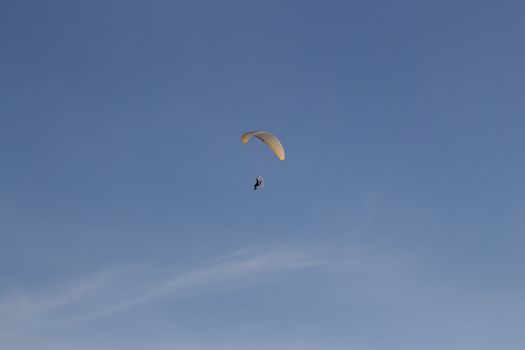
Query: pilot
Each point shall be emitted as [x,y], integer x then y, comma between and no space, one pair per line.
[259,182]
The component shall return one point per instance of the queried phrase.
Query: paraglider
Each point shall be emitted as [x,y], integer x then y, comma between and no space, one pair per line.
[259,182]
[271,141]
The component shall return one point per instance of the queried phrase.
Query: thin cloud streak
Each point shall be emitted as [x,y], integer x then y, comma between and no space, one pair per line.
[395,284]
[120,288]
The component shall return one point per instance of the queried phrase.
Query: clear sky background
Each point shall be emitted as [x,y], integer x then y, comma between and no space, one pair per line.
[128,218]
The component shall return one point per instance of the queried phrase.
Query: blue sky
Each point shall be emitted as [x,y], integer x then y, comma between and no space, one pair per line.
[127,215]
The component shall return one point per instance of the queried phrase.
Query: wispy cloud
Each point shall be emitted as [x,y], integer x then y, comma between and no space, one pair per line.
[393,285]
[117,289]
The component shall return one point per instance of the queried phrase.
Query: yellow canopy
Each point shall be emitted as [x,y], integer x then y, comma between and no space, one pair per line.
[269,139]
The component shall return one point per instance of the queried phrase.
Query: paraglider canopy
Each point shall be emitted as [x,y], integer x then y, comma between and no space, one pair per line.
[269,139]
